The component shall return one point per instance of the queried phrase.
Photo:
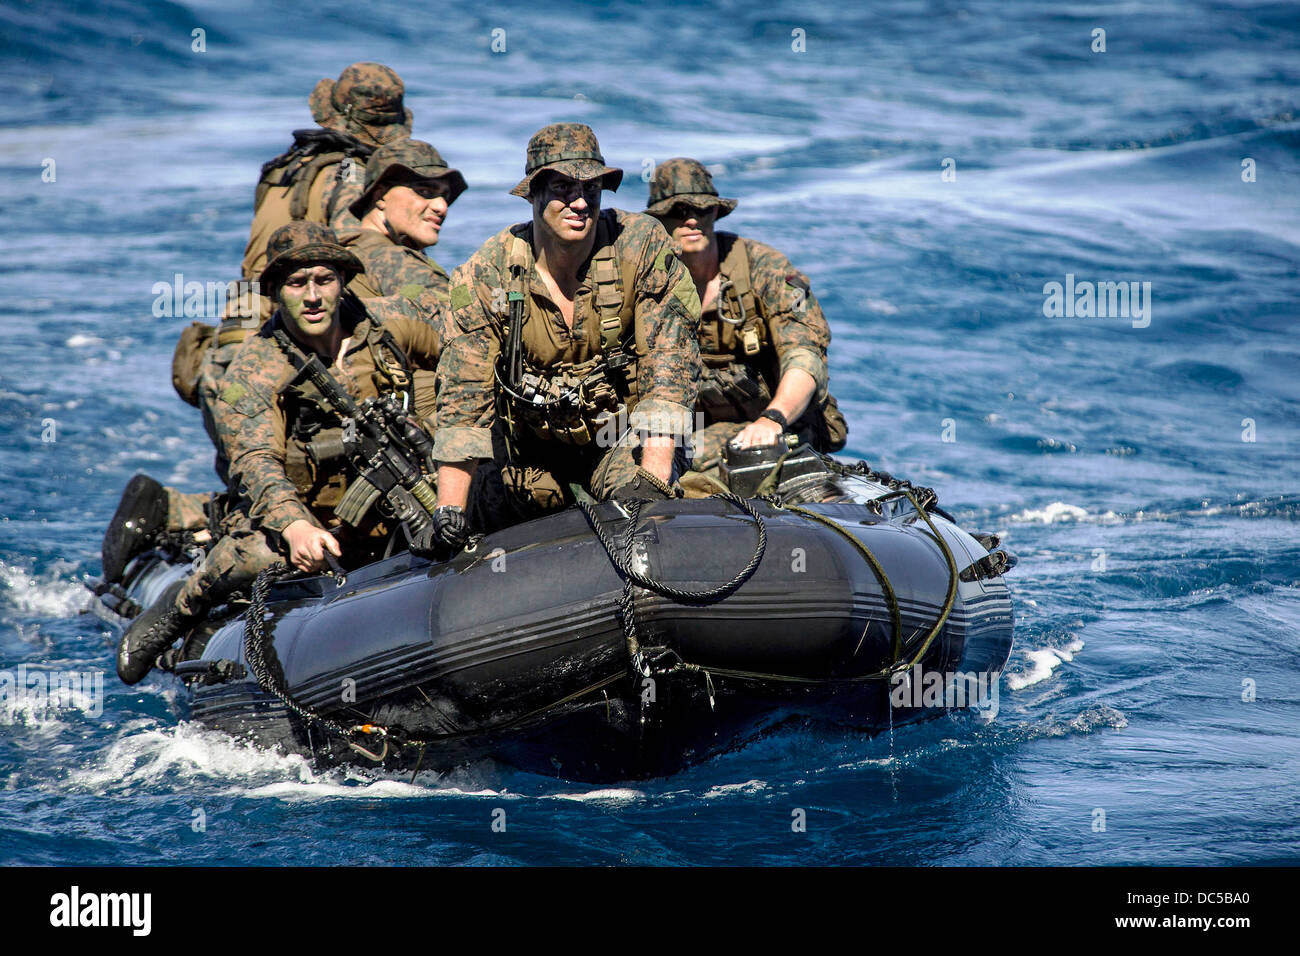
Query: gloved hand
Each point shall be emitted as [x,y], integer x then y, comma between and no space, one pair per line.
[450,527]
[647,487]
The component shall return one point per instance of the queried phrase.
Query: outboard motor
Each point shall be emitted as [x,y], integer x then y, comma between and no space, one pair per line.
[797,472]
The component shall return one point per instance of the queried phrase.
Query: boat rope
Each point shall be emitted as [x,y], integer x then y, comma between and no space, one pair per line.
[625,566]
[271,679]
[896,665]
[256,644]
[886,588]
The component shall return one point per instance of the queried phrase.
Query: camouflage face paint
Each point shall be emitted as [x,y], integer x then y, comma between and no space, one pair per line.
[309,300]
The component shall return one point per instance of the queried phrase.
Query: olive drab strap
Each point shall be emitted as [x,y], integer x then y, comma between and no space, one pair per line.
[233,330]
[521,260]
[298,202]
[610,299]
[398,374]
[609,307]
[737,304]
[736,386]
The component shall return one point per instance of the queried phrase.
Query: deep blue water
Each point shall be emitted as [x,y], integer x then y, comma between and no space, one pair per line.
[1160,568]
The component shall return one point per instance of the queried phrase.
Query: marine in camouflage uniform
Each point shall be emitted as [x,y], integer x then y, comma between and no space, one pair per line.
[763,336]
[316,180]
[409,189]
[287,470]
[364,108]
[598,399]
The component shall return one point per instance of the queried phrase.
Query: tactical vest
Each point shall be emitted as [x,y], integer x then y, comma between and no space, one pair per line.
[291,186]
[314,458]
[739,374]
[743,325]
[562,400]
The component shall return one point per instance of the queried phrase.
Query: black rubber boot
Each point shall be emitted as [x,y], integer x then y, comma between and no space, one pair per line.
[140,515]
[150,634]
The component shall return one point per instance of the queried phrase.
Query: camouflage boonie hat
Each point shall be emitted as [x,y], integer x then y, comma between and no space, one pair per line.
[404,161]
[302,243]
[366,101]
[684,181]
[568,148]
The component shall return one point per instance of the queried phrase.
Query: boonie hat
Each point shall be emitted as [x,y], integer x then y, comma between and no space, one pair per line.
[365,101]
[684,181]
[403,161]
[301,243]
[568,148]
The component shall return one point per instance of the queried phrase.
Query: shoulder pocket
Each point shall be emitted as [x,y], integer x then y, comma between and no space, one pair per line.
[238,396]
[465,309]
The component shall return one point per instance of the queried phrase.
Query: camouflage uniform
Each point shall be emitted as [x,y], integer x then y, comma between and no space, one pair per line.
[765,322]
[636,302]
[393,268]
[365,109]
[267,414]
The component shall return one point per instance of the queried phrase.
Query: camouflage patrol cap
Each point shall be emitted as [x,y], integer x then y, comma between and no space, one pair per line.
[684,181]
[366,101]
[301,243]
[568,148]
[402,162]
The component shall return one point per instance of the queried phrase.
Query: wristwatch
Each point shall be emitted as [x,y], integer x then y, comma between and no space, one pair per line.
[777,417]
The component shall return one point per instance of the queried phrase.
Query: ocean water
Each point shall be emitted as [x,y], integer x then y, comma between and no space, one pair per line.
[1144,469]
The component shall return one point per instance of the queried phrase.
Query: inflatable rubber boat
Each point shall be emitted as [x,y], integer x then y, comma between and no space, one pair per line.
[613,641]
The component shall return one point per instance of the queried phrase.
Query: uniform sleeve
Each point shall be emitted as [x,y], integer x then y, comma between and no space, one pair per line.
[796,324]
[466,408]
[251,424]
[393,271]
[668,315]
[343,185]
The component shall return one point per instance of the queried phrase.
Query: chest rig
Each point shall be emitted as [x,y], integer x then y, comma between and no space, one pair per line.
[740,331]
[314,454]
[542,390]
[739,368]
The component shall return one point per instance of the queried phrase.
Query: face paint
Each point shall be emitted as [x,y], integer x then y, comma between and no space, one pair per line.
[690,226]
[309,300]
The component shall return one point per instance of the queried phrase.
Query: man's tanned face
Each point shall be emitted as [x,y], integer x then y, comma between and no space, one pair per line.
[691,226]
[415,210]
[566,206]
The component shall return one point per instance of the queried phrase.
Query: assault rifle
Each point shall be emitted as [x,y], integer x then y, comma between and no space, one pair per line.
[383,444]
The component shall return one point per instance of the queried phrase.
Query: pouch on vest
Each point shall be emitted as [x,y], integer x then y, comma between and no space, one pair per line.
[197,338]
[732,393]
[837,429]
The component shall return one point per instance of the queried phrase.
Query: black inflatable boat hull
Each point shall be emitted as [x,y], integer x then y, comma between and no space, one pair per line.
[496,652]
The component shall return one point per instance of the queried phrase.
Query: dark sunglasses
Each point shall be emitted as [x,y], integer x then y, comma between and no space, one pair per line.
[682,211]
[567,189]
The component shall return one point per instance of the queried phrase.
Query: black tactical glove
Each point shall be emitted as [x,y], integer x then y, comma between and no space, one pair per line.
[647,487]
[450,528]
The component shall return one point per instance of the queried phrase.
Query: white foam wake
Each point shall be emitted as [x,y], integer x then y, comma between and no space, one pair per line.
[48,595]
[1043,663]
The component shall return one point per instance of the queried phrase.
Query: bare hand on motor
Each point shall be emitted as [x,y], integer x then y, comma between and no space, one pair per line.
[762,431]
[308,544]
